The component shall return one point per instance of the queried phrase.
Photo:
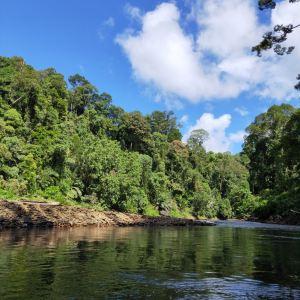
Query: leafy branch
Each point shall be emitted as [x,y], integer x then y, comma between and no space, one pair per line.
[265,4]
[273,39]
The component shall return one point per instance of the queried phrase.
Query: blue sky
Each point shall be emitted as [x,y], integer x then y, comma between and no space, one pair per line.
[189,56]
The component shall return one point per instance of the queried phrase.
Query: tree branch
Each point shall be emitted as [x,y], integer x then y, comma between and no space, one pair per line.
[273,40]
[14,102]
[266,4]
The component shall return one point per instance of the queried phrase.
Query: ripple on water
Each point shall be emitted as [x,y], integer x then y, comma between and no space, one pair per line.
[234,287]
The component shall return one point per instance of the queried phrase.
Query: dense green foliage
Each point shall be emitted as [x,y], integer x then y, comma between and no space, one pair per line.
[273,146]
[274,139]
[71,144]
[68,142]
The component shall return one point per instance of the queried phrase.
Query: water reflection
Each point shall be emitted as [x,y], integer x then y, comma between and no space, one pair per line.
[234,262]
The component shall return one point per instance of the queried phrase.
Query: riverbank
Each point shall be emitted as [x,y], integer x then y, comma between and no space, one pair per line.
[292,219]
[279,220]
[23,214]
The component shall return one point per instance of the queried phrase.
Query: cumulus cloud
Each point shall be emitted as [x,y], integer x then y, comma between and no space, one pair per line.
[161,52]
[217,61]
[163,55]
[228,27]
[219,140]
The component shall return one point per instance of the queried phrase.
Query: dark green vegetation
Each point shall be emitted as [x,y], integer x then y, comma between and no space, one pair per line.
[71,144]
[273,145]
[273,148]
[151,263]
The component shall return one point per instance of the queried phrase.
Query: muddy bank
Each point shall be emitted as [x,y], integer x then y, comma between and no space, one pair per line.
[289,220]
[33,214]
[293,219]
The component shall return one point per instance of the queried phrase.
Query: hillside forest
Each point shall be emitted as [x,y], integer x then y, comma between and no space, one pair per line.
[68,142]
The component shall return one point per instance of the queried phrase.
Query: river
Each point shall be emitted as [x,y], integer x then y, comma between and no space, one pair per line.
[233,260]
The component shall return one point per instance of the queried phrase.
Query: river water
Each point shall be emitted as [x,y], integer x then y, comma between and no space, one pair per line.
[233,260]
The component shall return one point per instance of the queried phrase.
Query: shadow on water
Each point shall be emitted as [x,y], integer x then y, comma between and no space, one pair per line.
[231,261]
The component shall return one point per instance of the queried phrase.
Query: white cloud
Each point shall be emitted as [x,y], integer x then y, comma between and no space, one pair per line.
[237,137]
[161,51]
[105,26]
[229,27]
[242,111]
[286,13]
[184,119]
[133,11]
[219,140]
[217,62]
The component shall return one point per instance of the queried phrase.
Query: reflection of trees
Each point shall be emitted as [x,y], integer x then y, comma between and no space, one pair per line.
[87,262]
[279,259]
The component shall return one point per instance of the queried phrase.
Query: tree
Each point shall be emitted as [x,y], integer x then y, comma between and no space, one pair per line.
[81,95]
[134,133]
[291,146]
[197,139]
[164,123]
[263,146]
[275,38]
